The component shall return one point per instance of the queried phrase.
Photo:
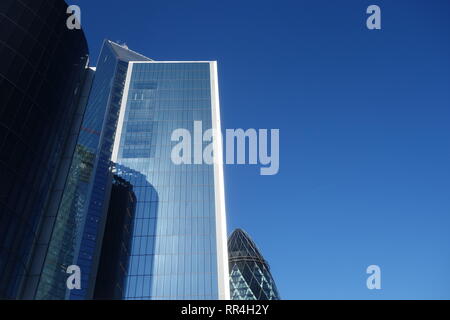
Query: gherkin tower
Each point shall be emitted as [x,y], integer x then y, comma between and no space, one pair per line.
[250,277]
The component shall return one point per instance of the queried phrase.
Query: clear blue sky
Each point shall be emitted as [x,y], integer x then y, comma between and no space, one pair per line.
[364,119]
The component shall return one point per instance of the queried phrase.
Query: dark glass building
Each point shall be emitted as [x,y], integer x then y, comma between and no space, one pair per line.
[113,266]
[250,277]
[43,65]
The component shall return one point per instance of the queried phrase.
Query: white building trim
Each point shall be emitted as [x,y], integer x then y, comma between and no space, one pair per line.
[221,220]
[123,109]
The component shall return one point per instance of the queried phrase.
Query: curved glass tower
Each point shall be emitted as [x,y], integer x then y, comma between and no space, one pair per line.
[43,65]
[250,277]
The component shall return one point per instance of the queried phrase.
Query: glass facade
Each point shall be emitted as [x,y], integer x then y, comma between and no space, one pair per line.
[177,247]
[42,68]
[113,266]
[250,277]
[81,213]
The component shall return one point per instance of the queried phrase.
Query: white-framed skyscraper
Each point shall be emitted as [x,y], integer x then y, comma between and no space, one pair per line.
[179,241]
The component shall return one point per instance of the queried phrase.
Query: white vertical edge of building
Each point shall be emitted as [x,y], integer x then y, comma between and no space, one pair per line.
[219,186]
[123,107]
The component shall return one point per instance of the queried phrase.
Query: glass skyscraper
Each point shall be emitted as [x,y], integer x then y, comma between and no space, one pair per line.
[43,66]
[178,248]
[250,277]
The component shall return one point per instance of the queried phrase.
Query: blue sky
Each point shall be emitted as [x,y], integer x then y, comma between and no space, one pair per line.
[364,119]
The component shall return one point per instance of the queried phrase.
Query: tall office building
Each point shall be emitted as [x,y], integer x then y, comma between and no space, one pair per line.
[43,66]
[250,277]
[178,248]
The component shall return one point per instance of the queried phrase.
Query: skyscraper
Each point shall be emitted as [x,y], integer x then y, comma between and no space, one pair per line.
[43,66]
[179,237]
[250,277]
